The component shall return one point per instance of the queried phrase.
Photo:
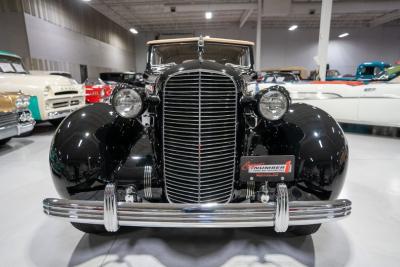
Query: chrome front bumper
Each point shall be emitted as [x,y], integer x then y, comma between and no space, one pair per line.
[17,129]
[280,214]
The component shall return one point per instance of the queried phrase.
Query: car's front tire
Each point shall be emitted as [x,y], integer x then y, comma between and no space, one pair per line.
[304,229]
[4,141]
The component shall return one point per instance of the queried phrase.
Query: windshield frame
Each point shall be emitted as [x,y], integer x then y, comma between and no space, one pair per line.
[150,66]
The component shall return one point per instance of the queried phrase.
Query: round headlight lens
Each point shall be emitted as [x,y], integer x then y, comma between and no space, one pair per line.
[26,100]
[19,103]
[273,105]
[127,103]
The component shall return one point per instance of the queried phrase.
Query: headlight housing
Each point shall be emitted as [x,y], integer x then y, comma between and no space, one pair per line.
[19,103]
[273,103]
[22,102]
[127,102]
[27,101]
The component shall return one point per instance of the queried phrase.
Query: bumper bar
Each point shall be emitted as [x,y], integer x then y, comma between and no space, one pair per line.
[113,214]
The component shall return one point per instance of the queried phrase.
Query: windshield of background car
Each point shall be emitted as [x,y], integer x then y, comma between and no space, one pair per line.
[94,81]
[11,65]
[177,53]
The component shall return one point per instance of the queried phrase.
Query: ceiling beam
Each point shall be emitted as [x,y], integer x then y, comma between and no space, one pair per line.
[210,7]
[385,18]
[246,14]
[296,8]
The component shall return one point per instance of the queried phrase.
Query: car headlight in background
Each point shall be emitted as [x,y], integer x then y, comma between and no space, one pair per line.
[22,102]
[273,103]
[19,103]
[127,103]
[27,101]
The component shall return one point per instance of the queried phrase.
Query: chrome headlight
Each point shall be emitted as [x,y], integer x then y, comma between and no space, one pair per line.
[274,103]
[127,102]
[19,103]
[27,101]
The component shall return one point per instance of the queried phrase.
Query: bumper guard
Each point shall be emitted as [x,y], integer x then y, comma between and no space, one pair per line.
[280,214]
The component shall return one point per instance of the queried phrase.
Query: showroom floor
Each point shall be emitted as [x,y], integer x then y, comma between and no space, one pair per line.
[370,237]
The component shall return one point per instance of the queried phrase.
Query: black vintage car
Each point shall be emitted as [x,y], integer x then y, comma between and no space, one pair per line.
[195,148]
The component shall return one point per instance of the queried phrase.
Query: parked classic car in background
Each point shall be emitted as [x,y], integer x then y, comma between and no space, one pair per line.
[97,90]
[366,71]
[195,148]
[15,117]
[368,103]
[52,97]
[133,78]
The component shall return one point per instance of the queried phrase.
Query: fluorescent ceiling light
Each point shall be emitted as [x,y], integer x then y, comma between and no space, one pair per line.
[343,35]
[133,30]
[293,27]
[209,15]
[86,0]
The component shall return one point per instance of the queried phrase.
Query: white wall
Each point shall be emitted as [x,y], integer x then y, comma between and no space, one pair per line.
[48,41]
[283,48]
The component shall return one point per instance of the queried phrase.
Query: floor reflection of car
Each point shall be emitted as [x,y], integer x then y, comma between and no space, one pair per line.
[97,90]
[15,117]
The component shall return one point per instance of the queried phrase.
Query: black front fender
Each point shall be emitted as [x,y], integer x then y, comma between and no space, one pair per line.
[319,146]
[88,149]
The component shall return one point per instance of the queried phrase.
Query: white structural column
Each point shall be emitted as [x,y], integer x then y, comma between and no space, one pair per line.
[258,37]
[324,29]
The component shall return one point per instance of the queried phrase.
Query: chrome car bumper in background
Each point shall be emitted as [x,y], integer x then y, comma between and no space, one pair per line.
[279,214]
[26,127]
[17,129]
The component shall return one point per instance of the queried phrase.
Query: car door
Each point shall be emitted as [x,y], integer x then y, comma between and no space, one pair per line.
[380,104]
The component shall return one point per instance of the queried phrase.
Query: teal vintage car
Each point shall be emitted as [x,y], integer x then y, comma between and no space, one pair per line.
[366,71]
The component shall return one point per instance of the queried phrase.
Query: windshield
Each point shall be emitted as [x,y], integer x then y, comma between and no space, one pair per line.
[177,53]
[94,81]
[11,65]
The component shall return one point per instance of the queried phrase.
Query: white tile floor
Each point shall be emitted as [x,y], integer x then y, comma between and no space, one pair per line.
[370,237]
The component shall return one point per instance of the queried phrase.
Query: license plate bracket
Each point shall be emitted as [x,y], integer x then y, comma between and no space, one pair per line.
[271,168]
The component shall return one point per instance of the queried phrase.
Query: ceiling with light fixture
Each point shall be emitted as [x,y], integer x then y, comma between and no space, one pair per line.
[167,16]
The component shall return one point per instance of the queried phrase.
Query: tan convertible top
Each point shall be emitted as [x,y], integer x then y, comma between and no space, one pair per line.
[195,39]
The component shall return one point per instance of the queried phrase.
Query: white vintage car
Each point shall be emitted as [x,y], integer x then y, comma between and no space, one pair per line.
[375,103]
[52,97]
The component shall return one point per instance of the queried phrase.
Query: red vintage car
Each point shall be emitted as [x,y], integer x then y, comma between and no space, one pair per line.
[97,90]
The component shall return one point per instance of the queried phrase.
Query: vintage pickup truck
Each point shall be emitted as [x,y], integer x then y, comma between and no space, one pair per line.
[52,97]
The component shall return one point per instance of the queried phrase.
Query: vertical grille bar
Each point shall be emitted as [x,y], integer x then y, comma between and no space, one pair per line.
[199,136]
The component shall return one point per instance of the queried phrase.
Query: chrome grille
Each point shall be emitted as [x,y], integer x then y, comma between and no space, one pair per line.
[199,136]
[8,119]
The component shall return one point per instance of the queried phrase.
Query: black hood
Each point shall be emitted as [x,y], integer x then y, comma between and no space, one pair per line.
[202,65]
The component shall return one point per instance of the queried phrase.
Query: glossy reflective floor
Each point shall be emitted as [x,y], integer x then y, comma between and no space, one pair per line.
[370,237]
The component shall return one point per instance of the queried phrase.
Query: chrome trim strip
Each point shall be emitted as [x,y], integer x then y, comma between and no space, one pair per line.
[110,208]
[147,182]
[282,208]
[210,215]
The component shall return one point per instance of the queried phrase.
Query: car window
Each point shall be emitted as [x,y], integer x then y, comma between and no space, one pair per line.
[11,65]
[6,67]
